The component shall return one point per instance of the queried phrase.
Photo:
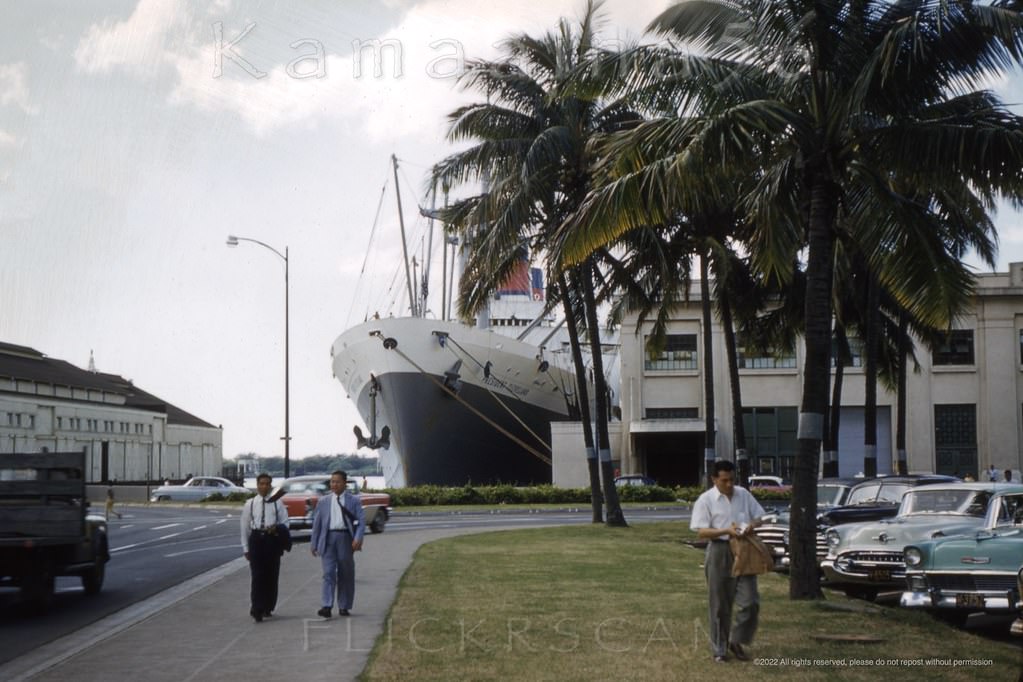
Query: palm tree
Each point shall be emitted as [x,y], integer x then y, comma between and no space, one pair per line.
[835,101]
[530,143]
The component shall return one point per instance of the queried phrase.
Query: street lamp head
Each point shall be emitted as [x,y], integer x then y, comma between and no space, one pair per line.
[232,240]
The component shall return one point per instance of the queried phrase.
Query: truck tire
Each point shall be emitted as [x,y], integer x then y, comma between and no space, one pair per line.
[379,521]
[92,581]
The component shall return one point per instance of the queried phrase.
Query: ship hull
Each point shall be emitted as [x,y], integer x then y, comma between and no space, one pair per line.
[462,405]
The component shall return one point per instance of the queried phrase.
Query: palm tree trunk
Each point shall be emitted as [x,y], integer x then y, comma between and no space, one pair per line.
[900,427]
[583,398]
[870,379]
[804,582]
[615,517]
[738,425]
[708,373]
[834,422]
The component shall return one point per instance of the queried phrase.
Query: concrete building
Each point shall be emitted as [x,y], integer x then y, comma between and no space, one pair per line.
[964,406]
[49,405]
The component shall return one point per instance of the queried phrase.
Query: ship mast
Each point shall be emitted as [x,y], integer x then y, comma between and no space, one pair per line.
[404,245]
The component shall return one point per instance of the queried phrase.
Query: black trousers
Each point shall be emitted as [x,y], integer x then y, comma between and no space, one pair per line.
[265,567]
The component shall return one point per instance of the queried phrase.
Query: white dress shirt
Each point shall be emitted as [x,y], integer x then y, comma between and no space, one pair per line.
[337,517]
[260,514]
[713,509]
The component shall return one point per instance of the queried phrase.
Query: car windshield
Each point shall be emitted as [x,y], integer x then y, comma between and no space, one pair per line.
[968,502]
[863,493]
[318,487]
[893,492]
[830,495]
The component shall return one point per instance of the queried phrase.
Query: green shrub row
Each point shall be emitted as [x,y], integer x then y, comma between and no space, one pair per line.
[230,497]
[431,495]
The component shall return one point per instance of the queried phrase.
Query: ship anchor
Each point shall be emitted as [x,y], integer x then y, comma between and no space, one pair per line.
[374,443]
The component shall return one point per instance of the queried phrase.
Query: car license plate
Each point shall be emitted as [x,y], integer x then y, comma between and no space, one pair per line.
[969,601]
[879,575]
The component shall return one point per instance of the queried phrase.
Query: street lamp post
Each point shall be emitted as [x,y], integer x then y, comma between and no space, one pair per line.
[233,241]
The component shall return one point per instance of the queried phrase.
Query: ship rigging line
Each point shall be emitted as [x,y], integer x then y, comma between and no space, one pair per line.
[518,441]
[498,399]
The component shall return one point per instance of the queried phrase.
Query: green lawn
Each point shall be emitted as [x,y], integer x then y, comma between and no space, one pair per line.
[597,603]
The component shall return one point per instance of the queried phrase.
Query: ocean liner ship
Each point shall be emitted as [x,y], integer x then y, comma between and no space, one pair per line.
[448,404]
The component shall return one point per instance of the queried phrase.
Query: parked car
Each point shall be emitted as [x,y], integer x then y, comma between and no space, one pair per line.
[196,489]
[831,492]
[954,577]
[634,479]
[301,493]
[765,482]
[879,498]
[864,558]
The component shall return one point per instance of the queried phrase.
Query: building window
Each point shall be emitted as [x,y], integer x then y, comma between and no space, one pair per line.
[855,352]
[60,423]
[956,349]
[755,360]
[672,413]
[955,439]
[771,438]
[679,353]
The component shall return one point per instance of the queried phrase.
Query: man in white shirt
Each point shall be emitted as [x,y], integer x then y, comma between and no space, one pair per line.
[338,526]
[260,518]
[721,513]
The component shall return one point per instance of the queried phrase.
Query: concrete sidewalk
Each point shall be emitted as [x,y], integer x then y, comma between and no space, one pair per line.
[205,631]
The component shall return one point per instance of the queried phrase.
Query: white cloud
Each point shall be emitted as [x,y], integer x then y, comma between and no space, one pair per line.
[8,140]
[137,44]
[14,86]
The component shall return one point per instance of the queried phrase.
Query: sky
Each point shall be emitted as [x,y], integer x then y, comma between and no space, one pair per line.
[136,135]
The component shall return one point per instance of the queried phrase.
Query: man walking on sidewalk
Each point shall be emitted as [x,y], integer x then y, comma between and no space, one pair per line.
[723,512]
[338,526]
[261,516]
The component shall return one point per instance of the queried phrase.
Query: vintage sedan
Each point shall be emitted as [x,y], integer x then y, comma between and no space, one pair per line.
[301,493]
[864,558]
[774,532]
[196,489]
[954,577]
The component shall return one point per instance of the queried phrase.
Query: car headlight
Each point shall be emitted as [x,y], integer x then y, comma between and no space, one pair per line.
[912,556]
[834,539]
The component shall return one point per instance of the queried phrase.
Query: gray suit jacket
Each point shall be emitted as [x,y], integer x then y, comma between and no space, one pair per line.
[321,519]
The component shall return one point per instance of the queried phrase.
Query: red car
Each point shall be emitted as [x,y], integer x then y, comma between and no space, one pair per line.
[301,493]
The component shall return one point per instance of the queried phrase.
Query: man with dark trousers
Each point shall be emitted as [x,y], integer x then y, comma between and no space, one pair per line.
[338,526]
[260,517]
[723,512]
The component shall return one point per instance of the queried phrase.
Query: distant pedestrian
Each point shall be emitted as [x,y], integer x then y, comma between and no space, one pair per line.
[968,478]
[992,473]
[364,486]
[338,526]
[723,512]
[260,518]
[110,503]
[1008,475]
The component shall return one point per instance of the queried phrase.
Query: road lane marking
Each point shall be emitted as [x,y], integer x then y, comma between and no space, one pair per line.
[193,551]
[167,537]
[221,521]
[169,525]
[199,528]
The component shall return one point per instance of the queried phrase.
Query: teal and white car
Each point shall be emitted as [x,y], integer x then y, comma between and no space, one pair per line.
[866,558]
[955,577]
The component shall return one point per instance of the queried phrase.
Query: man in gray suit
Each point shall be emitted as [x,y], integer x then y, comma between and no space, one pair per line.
[338,526]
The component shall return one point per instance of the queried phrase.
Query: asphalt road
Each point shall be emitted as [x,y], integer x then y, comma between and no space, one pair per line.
[152,548]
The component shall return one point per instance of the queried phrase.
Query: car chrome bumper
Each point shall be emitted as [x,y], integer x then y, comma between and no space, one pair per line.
[833,574]
[300,522]
[948,601]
